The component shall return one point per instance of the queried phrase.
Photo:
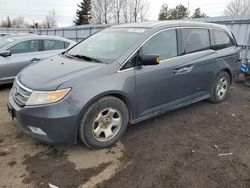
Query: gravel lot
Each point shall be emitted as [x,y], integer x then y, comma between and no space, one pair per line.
[179,149]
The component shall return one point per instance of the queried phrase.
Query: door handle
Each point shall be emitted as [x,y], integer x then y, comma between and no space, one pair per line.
[34,59]
[183,70]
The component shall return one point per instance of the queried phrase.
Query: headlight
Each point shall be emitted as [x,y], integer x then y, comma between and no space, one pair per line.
[47,97]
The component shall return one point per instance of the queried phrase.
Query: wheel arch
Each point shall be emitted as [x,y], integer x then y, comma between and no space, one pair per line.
[229,72]
[116,94]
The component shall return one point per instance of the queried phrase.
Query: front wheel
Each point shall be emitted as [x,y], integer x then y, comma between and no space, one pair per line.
[104,122]
[221,87]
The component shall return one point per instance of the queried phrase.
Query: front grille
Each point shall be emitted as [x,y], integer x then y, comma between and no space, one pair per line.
[20,93]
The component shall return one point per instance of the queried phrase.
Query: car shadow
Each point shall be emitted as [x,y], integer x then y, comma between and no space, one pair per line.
[5,86]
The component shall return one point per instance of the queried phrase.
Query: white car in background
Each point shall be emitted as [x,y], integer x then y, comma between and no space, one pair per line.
[18,51]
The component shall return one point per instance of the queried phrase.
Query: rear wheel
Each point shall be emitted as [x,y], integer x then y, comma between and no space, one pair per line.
[221,87]
[247,81]
[104,123]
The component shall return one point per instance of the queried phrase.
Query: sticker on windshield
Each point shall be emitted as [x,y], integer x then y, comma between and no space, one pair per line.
[136,30]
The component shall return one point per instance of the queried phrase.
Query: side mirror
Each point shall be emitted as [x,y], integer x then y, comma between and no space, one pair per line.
[149,59]
[5,53]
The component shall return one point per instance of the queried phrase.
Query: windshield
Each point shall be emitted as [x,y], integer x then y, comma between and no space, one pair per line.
[107,45]
[5,41]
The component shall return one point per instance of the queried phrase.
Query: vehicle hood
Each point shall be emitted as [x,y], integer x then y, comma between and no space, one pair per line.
[53,72]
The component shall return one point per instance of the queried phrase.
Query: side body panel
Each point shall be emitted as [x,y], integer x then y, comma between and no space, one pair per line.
[159,88]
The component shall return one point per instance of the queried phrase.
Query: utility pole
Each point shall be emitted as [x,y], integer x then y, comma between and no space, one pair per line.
[188,9]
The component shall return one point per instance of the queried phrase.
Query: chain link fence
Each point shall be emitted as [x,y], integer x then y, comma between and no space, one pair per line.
[75,33]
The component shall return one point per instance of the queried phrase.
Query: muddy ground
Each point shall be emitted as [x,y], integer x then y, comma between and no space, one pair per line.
[179,149]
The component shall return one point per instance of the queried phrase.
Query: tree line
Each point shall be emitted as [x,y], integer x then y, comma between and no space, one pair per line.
[179,12]
[50,21]
[122,11]
[111,11]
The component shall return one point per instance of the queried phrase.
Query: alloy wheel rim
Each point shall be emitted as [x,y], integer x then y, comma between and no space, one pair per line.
[107,124]
[221,88]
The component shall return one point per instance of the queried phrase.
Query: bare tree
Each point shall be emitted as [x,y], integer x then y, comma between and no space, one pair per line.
[96,13]
[134,10]
[125,11]
[118,5]
[6,23]
[51,19]
[140,8]
[238,7]
[108,11]
[18,22]
[102,11]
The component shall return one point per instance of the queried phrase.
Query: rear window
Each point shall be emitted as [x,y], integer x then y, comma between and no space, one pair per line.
[196,40]
[222,40]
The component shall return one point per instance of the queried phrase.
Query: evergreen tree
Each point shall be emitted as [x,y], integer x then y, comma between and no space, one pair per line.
[164,13]
[176,13]
[197,14]
[83,14]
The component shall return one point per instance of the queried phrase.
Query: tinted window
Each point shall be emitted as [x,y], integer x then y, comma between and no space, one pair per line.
[66,44]
[25,47]
[222,40]
[196,40]
[53,45]
[163,44]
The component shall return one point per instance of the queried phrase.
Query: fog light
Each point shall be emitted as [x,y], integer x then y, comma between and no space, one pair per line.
[37,130]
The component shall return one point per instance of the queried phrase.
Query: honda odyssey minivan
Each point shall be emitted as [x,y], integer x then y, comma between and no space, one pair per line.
[123,75]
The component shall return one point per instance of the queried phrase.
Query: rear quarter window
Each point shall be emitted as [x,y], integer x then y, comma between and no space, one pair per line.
[53,45]
[195,39]
[222,40]
[66,44]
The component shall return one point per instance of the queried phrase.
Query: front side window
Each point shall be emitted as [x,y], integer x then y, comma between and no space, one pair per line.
[196,39]
[25,47]
[53,45]
[222,40]
[163,44]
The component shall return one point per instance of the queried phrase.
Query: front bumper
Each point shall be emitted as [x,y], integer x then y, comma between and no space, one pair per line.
[58,121]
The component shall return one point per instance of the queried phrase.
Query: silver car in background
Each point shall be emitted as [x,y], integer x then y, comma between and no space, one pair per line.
[18,51]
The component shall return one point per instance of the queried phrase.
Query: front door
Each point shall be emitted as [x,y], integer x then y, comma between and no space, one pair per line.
[22,55]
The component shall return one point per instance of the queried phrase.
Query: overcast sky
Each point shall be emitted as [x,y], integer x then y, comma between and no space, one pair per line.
[65,9]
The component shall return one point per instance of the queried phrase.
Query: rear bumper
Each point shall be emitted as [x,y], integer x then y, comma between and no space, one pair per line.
[58,122]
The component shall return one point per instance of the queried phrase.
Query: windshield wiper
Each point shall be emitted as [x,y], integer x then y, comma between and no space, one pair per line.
[87,58]
[67,55]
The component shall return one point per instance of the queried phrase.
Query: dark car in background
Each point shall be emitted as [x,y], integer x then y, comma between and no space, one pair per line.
[123,74]
[4,34]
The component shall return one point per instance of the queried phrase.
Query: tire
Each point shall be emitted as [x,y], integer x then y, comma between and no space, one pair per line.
[220,87]
[104,123]
[247,81]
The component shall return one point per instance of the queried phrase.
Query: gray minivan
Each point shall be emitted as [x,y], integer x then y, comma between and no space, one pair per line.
[123,74]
